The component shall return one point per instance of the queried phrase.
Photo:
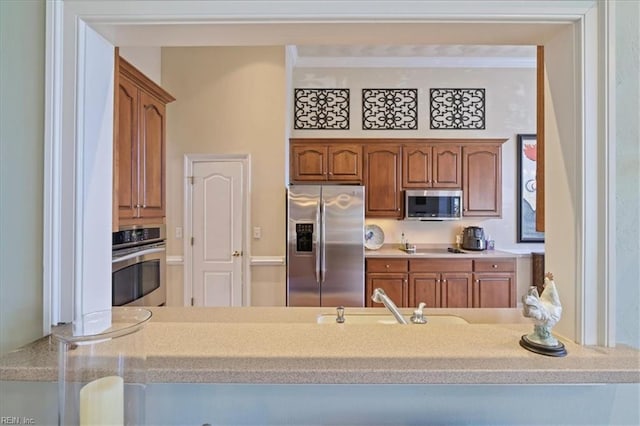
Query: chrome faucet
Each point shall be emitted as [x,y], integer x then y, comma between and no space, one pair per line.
[379,296]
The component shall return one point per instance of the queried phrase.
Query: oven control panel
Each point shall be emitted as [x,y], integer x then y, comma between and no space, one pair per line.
[130,236]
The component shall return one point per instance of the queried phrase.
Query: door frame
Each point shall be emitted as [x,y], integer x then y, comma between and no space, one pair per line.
[189,161]
[594,296]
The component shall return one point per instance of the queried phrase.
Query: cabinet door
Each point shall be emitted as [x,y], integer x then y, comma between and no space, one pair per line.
[494,290]
[482,181]
[382,180]
[425,287]
[309,162]
[126,151]
[457,291]
[151,161]
[394,285]
[416,166]
[447,166]
[345,163]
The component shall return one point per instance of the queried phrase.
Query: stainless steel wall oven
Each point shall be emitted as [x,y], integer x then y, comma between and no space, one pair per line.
[138,273]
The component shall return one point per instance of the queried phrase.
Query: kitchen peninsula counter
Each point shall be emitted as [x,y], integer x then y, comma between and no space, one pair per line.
[288,346]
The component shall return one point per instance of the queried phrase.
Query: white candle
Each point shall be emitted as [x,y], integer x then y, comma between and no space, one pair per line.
[102,402]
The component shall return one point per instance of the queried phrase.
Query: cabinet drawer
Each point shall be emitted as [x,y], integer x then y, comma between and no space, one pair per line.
[440,265]
[387,265]
[494,265]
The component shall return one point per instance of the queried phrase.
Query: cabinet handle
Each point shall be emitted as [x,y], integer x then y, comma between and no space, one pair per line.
[386,266]
[331,173]
[494,266]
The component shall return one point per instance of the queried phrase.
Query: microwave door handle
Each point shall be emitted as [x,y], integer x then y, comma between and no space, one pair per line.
[317,238]
[138,253]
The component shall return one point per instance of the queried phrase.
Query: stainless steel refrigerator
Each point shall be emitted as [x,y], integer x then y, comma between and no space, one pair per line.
[325,245]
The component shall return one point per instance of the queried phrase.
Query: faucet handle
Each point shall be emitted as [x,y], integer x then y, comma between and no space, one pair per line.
[340,314]
[418,315]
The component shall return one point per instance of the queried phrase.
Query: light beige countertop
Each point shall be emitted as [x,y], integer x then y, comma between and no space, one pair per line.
[436,251]
[287,345]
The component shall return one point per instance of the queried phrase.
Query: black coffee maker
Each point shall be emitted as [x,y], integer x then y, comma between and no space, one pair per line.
[473,238]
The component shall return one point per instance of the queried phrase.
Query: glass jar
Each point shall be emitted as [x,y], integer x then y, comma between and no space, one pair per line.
[101,368]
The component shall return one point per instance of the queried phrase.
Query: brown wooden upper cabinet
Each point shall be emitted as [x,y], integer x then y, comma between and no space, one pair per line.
[382,180]
[139,147]
[313,162]
[482,180]
[386,167]
[426,166]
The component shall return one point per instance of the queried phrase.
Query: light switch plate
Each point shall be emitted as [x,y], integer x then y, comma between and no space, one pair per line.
[257,232]
[178,232]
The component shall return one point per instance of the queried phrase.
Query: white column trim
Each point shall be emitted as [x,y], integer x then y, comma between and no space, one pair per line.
[51,185]
[608,12]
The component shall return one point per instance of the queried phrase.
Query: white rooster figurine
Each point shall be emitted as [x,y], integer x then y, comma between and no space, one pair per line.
[545,310]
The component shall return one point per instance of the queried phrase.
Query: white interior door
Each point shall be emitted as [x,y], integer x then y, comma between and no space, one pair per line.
[218,206]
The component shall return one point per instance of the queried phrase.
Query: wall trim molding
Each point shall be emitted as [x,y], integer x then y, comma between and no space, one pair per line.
[254,261]
[175,261]
[268,261]
[414,62]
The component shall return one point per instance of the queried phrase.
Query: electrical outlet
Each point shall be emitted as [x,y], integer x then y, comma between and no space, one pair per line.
[178,232]
[257,232]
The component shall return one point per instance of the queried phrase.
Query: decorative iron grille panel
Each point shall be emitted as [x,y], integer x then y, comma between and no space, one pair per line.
[389,109]
[457,108]
[321,109]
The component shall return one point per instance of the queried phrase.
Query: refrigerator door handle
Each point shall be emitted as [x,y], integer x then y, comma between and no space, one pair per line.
[323,228]
[317,234]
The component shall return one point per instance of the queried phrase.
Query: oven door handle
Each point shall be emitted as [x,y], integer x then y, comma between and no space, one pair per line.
[138,254]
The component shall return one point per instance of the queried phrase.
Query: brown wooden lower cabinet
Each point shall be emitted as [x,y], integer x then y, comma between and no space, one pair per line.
[443,283]
[391,276]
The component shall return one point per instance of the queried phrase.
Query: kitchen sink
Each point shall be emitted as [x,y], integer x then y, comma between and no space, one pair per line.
[387,319]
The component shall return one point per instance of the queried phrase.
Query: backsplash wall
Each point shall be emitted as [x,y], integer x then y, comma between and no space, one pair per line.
[510,110]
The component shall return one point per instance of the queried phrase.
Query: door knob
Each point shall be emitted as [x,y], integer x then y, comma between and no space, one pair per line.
[236,253]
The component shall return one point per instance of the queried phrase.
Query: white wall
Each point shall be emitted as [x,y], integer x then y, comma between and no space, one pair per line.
[21,173]
[628,172]
[510,110]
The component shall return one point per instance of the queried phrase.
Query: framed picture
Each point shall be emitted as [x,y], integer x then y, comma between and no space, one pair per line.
[527,191]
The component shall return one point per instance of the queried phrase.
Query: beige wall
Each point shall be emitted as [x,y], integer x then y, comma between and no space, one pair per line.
[230,100]
[22,45]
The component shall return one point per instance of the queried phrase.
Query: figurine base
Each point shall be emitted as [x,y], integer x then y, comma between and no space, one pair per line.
[558,350]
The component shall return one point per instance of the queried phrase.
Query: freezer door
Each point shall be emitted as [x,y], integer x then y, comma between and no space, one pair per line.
[342,254]
[303,246]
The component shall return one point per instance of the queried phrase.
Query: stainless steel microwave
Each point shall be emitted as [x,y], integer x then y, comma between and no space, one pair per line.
[432,205]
